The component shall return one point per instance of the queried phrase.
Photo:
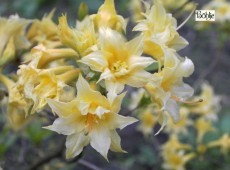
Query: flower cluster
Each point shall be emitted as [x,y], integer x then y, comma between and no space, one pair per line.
[95,50]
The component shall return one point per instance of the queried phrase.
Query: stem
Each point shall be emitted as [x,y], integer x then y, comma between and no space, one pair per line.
[184,22]
[58,155]
[40,163]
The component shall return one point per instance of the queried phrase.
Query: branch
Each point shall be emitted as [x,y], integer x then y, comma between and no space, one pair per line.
[47,159]
[57,154]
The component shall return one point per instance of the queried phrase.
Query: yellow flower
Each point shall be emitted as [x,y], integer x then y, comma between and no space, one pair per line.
[167,87]
[44,32]
[82,39]
[210,105]
[223,143]
[12,37]
[180,126]
[173,152]
[203,126]
[177,160]
[46,83]
[147,121]
[90,118]
[16,107]
[107,17]
[159,37]
[120,62]
[173,145]
[36,84]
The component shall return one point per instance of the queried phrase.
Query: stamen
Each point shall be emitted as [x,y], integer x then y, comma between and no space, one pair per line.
[182,24]
[187,102]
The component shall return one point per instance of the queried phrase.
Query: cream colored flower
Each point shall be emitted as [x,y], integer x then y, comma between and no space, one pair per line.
[107,17]
[158,37]
[45,84]
[36,85]
[120,62]
[167,87]
[90,118]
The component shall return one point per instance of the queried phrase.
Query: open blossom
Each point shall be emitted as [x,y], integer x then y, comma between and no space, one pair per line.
[92,119]
[44,84]
[119,62]
[158,37]
[167,87]
[107,17]
[36,84]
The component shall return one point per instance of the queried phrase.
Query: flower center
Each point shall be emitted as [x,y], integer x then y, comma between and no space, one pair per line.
[119,66]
